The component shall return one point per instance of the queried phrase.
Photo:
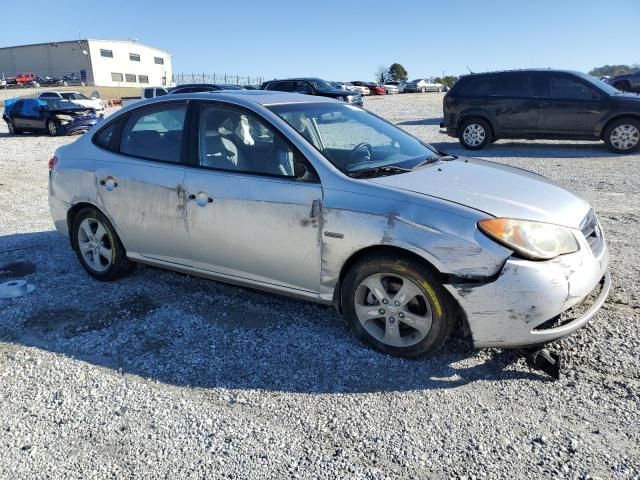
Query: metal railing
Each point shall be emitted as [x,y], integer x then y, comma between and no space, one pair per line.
[181,78]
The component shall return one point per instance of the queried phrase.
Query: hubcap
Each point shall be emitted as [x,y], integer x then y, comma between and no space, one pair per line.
[625,137]
[393,310]
[474,134]
[52,128]
[95,245]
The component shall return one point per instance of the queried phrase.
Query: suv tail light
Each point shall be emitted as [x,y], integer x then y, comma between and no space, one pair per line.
[52,162]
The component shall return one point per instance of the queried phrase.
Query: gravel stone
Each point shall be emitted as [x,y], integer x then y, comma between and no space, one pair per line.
[163,375]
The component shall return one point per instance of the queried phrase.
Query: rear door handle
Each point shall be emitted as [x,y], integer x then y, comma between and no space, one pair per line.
[315,209]
[201,198]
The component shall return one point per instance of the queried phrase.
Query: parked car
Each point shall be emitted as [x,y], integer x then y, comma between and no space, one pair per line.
[73,79]
[627,83]
[25,78]
[313,86]
[203,87]
[345,86]
[146,92]
[376,88]
[400,85]
[361,87]
[77,98]
[46,80]
[423,85]
[50,115]
[332,204]
[554,104]
[391,89]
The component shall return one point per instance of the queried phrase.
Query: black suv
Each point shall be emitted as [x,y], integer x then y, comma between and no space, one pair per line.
[313,86]
[550,104]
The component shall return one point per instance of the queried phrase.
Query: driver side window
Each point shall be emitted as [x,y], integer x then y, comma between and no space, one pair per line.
[235,140]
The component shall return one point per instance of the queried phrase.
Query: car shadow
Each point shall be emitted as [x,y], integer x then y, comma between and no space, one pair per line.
[187,331]
[534,149]
[424,121]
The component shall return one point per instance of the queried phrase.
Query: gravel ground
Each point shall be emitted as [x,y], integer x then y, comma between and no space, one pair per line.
[162,375]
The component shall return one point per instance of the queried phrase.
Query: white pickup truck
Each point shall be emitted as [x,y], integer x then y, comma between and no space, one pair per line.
[147,92]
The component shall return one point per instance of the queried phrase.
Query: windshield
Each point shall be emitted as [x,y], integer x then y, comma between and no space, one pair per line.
[598,83]
[353,139]
[321,85]
[59,104]
[74,96]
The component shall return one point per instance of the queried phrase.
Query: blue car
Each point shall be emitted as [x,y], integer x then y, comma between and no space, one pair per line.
[52,116]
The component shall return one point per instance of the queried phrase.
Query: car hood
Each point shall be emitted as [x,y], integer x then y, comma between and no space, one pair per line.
[627,98]
[493,188]
[335,92]
[71,111]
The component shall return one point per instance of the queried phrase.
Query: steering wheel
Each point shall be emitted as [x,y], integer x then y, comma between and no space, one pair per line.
[361,153]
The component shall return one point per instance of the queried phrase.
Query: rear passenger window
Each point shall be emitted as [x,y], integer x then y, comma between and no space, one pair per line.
[567,88]
[477,86]
[155,133]
[104,136]
[512,85]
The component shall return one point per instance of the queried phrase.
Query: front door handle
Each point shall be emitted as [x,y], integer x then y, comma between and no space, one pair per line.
[201,198]
[109,183]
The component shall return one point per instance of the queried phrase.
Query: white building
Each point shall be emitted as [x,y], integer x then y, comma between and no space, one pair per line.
[97,62]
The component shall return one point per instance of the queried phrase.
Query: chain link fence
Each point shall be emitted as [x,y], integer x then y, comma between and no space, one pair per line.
[181,78]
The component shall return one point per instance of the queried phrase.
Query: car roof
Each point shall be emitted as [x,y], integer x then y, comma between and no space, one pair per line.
[246,97]
[522,70]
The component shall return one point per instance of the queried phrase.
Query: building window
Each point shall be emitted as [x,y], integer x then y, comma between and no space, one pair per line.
[134,57]
[130,77]
[158,60]
[106,53]
[143,79]
[116,77]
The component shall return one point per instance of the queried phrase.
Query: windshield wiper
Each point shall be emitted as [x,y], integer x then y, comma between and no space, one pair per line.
[433,159]
[379,171]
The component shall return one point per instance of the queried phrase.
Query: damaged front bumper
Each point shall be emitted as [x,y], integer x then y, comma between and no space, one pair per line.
[527,304]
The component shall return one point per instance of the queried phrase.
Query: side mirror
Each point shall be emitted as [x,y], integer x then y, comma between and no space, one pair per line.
[299,170]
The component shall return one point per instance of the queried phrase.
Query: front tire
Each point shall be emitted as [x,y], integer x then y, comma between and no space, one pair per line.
[397,306]
[52,128]
[475,134]
[623,135]
[98,247]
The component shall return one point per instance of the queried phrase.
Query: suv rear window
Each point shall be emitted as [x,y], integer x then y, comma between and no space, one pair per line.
[504,85]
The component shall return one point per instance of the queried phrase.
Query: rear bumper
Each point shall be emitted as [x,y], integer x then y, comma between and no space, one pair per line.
[528,302]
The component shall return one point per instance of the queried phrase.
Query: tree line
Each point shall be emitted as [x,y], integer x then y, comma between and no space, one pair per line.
[397,72]
[613,70]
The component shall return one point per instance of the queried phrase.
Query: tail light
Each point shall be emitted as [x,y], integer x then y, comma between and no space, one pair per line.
[52,162]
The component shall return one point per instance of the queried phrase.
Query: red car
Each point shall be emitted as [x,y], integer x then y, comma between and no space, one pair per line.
[25,78]
[376,89]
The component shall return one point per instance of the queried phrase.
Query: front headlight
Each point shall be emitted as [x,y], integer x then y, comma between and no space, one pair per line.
[64,119]
[534,240]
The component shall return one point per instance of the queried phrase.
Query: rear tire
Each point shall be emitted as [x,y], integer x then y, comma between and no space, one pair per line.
[397,306]
[12,129]
[98,246]
[475,134]
[623,135]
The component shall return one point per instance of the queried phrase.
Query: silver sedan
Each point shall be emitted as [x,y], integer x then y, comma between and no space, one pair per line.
[310,197]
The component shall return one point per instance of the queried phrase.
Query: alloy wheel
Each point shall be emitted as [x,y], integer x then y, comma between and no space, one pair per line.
[625,137]
[95,245]
[393,309]
[474,134]
[52,127]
